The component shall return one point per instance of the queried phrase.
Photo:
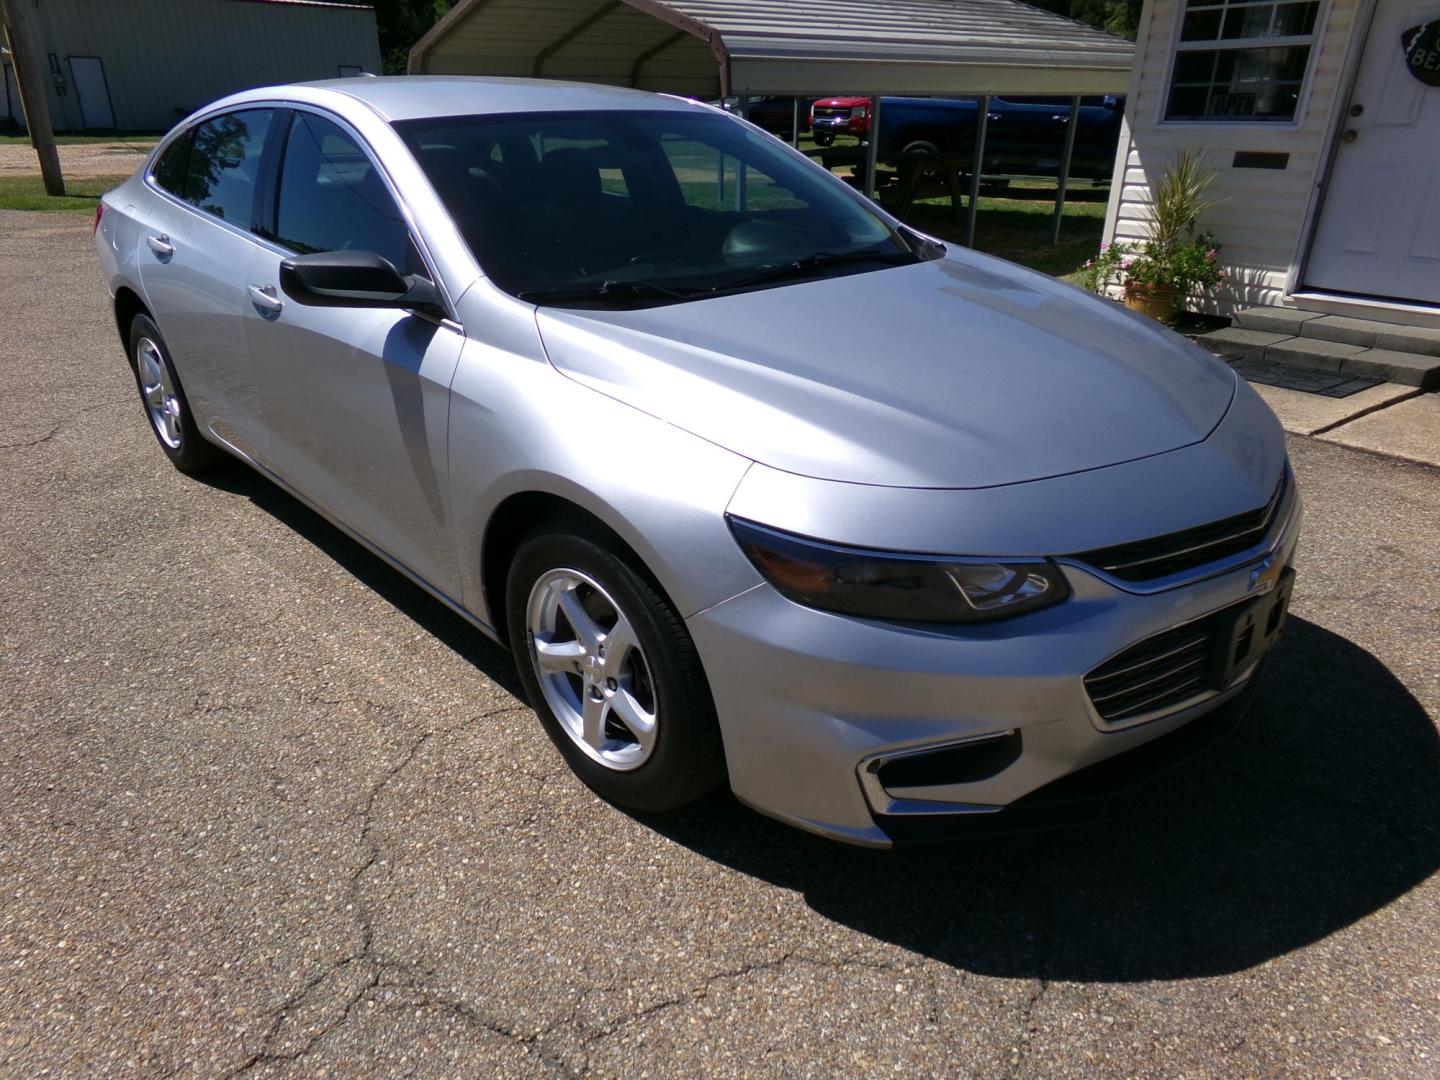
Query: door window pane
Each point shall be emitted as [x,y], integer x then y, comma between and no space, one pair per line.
[224,166]
[333,198]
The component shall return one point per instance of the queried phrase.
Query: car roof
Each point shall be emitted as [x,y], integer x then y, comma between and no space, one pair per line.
[412,97]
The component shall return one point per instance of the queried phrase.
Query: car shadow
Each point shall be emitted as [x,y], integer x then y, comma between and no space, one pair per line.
[1322,808]
[374,573]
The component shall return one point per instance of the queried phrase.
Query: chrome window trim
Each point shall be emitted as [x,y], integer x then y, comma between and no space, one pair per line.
[452,318]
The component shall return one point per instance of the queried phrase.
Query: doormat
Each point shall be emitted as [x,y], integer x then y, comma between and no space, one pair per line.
[1325,383]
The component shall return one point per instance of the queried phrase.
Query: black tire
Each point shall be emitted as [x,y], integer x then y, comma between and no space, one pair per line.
[826,139]
[687,760]
[191,453]
[920,148]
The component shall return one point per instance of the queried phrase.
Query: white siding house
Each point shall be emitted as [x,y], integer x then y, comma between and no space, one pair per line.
[141,65]
[1324,133]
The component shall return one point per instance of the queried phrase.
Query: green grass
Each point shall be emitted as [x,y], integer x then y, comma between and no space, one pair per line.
[28,193]
[1017,224]
[148,139]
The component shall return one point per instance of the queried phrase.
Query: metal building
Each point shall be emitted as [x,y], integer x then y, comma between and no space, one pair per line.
[141,65]
[711,48]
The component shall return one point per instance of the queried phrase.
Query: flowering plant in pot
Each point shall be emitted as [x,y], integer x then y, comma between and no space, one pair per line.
[1176,258]
[1155,280]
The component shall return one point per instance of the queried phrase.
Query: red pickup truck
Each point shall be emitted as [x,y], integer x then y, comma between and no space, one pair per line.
[839,116]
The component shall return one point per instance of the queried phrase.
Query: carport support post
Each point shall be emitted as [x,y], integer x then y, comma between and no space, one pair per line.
[34,102]
[872,150]
[982,121]
[740,177]
[1070,126]
[795,123]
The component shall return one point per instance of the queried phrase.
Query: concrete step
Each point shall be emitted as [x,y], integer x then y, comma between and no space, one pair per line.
[1367,333]
[1405,367]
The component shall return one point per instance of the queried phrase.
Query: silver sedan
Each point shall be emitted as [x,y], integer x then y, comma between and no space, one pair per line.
[761,486]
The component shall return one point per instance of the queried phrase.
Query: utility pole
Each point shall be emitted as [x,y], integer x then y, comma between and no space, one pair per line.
[34,97]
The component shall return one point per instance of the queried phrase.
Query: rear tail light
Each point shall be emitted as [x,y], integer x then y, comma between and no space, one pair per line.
[99,213]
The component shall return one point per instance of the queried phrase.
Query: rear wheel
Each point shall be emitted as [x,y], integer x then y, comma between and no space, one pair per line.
[165,403]
[611,670]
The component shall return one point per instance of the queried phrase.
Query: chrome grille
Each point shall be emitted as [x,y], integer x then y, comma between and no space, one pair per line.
[831,111]
[1174,553]
[1159,673]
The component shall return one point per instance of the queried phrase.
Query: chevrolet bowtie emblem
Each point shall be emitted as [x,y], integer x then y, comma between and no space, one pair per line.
[1263,577]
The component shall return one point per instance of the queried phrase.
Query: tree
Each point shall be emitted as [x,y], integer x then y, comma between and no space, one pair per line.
[1120,17]
[401,23]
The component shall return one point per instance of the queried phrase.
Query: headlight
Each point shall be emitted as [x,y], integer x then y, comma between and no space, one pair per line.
[900,588]
[858,112]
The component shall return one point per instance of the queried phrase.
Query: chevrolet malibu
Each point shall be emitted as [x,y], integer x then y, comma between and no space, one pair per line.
[974,555]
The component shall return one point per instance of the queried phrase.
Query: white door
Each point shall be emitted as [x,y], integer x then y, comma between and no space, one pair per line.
[87,76]
[1379,231]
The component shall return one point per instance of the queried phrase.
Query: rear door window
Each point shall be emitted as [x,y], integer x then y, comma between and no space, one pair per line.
[333,198]
[223,171]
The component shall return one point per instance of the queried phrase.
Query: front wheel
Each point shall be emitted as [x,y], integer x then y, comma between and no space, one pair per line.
[824,138]
[611,670]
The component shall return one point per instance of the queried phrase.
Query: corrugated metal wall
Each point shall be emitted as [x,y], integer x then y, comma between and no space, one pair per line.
[1261,221]
[165,58]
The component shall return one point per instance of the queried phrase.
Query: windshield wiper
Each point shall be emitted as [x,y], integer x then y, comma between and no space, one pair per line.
[606,290]
[821,260]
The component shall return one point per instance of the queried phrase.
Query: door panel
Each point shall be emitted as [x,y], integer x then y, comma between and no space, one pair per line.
[356,399]
[87,76]
[192,268]
[197,296]
[357,403]
[1379,231]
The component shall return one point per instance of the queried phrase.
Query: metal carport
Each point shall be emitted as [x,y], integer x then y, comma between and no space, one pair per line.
[716,48]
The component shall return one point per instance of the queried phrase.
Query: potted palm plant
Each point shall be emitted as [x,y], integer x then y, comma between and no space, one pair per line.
[1176,258]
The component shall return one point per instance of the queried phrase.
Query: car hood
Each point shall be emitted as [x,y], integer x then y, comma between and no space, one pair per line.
[961,372]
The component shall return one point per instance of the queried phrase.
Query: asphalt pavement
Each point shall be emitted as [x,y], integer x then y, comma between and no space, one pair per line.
[266,808]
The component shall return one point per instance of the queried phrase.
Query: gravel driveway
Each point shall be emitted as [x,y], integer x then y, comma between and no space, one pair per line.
[265,807]
[77,162]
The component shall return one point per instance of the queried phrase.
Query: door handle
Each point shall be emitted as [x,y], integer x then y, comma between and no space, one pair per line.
[161,245]
[1064,118]
[265,300]
[992,116]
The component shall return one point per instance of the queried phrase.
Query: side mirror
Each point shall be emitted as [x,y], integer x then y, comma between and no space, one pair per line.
[1110,101]
[356,279]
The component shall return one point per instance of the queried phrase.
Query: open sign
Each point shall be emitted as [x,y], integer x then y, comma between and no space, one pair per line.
[1422,52]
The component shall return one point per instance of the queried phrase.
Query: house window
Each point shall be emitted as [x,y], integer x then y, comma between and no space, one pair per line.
[1241,61]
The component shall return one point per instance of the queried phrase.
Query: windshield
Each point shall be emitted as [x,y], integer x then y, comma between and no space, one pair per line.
[630,208]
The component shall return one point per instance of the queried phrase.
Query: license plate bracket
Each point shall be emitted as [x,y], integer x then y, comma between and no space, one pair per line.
[1253,630]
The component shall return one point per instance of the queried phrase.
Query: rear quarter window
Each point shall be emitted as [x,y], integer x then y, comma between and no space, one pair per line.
[170,166]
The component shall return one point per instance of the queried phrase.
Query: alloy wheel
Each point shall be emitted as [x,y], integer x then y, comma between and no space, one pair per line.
[161,401]
[592,669]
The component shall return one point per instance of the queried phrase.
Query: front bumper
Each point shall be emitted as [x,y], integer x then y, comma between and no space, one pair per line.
[840,125]
[810,702]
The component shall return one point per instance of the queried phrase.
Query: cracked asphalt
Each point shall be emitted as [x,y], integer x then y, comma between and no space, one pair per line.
[266,809]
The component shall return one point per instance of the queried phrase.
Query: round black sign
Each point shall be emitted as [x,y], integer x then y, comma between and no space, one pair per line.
[1422,52]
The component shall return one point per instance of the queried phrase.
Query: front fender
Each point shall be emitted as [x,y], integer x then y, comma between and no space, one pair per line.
[518,426]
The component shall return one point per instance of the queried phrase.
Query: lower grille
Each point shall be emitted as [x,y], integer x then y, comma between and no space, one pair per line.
[1160,672]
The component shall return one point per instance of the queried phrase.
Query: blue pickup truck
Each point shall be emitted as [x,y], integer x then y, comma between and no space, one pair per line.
[1024,136]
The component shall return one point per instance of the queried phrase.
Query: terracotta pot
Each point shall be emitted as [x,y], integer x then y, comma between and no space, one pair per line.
[1159,302]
